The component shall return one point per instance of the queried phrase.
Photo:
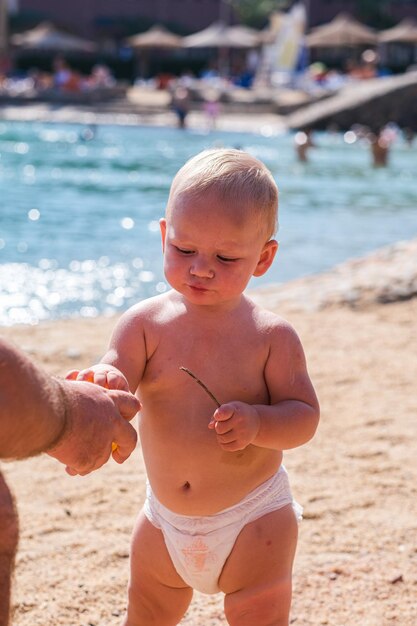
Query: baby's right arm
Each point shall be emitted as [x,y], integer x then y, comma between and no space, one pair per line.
[123,364]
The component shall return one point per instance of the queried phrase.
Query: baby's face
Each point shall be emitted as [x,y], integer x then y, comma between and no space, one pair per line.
[209,256]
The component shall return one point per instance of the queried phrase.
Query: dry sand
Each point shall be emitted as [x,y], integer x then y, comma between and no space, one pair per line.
[357,479]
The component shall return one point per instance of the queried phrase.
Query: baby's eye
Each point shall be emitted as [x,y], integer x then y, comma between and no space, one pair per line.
[226,259]
[183,250]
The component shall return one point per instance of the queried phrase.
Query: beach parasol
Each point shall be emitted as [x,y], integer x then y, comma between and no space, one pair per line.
[46,36]
[223,37]
[218,35]
[156,37]
[342,31]
[251,36]
[404,32]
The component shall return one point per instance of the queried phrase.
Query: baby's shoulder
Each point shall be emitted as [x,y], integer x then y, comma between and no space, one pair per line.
[275,329]
[151,311]
[269,321]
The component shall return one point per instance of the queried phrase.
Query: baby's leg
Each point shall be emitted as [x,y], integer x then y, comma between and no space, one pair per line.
[157,594]
[257,575]
[9,534]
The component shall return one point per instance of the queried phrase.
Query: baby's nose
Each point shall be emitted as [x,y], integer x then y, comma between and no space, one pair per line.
[201,268]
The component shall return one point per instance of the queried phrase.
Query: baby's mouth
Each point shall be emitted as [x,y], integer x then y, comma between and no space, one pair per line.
[197,287]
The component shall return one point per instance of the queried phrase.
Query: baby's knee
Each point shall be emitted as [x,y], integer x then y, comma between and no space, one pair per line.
[266,605]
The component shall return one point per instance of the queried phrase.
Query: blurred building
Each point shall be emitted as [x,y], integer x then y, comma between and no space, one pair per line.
[92,18]
[321,11]
[113,18]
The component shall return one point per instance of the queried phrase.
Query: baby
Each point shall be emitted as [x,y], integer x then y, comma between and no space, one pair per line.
[219,514]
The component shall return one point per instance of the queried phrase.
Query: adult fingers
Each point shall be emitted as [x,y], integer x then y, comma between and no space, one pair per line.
[126,403]
[83,468]
[125,439]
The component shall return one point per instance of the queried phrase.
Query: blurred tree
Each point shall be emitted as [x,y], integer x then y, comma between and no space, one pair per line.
[374,12]
[255,13]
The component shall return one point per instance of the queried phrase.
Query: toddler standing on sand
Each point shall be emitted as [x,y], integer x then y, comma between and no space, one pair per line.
[219,515]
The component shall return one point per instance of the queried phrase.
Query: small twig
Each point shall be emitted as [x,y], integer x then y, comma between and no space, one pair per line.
[185,369]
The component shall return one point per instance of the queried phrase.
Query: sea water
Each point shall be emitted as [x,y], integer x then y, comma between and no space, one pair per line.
[80,209]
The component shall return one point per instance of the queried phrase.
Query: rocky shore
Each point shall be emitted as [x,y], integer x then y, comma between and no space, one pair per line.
[385,276]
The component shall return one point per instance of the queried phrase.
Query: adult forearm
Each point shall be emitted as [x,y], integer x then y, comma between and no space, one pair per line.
[32,407]
[286,425]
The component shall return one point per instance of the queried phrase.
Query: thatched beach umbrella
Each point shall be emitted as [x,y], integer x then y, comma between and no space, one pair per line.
[46,36]
[343,31]
[251,36]
[404,32]
[223,38]
[398,45]
[219,35]
[156,38]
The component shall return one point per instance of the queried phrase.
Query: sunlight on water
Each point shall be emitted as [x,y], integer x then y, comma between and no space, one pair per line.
[86,288]
[80,209]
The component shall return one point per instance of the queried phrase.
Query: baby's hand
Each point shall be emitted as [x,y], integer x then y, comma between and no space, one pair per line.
[101,374]
[236,425]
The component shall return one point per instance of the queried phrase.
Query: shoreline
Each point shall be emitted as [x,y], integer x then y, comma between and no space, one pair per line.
[384,276]
[132,115]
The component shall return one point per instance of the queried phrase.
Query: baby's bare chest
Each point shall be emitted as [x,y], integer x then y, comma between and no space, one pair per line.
[231,364]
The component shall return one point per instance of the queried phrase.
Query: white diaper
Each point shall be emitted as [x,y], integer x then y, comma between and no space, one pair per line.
[199,546]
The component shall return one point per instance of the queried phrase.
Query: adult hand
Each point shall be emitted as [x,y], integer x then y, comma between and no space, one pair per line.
[95,418]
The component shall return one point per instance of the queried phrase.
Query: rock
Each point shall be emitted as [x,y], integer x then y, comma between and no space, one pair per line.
[397,579]
[385,276]
[372,102]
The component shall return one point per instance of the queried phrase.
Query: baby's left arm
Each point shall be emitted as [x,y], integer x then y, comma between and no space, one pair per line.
[291,418]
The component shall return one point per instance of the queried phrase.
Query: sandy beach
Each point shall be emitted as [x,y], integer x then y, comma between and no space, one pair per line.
[357,479]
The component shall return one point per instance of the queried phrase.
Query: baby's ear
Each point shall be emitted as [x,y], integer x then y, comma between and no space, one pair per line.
[266,257]
[163,227]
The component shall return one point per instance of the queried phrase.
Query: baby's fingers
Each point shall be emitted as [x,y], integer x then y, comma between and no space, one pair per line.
[116,381]
[222,414]
[100,378]
[223,428]
[72,375]
[85,375]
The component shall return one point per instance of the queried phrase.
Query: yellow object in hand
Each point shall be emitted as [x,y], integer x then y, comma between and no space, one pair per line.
[114,446]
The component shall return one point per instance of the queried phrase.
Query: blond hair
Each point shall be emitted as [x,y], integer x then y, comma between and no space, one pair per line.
[236,177]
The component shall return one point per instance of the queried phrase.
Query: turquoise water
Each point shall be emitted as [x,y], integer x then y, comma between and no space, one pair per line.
[79,229]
